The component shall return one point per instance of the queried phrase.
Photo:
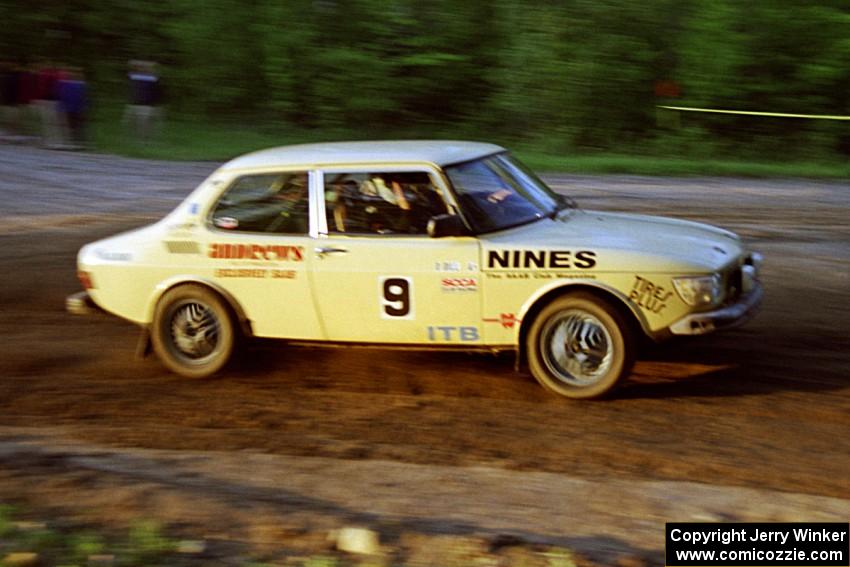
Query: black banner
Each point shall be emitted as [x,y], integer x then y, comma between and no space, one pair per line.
[817,544]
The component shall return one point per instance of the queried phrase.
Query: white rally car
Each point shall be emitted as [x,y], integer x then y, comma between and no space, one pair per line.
[436,244]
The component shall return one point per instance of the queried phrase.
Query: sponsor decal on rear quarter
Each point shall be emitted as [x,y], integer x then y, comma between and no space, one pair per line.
[221,251]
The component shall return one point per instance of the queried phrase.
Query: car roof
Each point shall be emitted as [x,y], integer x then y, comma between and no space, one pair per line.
[439,152]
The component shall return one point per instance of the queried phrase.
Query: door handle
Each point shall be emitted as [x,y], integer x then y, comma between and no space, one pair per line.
[322,251]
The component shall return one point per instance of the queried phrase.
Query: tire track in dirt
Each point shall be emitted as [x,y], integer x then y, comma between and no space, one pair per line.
[394,498]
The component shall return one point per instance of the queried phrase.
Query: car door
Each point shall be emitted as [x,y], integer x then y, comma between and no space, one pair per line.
[258,251]
[377,276]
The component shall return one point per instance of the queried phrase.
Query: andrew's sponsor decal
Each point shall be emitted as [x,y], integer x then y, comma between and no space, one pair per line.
[269,252]
[541,259]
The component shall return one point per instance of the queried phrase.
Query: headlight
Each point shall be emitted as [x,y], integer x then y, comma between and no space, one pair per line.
[698,291]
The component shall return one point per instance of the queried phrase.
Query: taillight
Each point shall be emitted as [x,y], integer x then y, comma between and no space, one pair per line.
[85,279]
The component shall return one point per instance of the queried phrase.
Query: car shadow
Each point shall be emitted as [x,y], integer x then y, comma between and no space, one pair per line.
[738,363]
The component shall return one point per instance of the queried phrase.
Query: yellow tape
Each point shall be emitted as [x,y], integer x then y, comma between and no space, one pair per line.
[751,113]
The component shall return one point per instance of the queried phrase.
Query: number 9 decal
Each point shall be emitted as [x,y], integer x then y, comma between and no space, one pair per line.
[396,297]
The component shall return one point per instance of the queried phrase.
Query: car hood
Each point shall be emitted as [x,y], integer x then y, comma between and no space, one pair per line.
[625,241]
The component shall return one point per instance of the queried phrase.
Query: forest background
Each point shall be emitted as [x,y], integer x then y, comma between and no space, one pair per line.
[579,78]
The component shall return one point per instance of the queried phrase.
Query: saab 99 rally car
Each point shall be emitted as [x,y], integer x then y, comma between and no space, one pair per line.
[437,244]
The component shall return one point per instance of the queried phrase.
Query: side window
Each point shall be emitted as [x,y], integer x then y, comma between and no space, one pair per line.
[381,203]
[275,203]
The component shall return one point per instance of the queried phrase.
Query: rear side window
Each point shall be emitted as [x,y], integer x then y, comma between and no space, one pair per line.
[381,203]
[276,203]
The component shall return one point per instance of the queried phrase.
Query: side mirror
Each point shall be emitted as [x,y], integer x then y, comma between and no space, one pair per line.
[446,225]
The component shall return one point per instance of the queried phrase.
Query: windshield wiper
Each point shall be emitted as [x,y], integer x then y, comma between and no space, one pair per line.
[564,202]
[567,202]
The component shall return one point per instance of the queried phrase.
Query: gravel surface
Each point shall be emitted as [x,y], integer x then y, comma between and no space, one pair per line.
[752,423]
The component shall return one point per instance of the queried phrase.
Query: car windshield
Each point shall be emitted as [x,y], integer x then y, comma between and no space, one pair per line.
[498,192]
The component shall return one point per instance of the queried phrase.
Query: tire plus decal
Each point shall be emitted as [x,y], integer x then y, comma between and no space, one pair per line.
[648,295]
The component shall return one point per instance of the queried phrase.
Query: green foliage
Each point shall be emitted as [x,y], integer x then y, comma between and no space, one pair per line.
[6,524]
[574,75]
[41,540]
[560,558]
[146,543]
[322,561]
[84,544]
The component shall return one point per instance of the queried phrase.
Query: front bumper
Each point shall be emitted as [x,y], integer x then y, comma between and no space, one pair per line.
[81,303]
[724,318]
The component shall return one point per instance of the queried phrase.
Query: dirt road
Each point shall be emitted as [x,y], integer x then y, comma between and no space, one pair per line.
[763,408]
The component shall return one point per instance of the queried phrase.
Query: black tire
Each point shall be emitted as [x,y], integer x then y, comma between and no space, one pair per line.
[580,347]
[193,331]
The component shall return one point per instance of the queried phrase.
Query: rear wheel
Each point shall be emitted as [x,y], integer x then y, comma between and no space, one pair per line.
[193,332]
[579,346]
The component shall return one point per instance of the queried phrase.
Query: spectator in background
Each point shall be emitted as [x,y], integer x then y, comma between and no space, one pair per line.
[156,97]
[73,103]
[28,113]
[129,118]
[8,97]
[145,98]
[53,128]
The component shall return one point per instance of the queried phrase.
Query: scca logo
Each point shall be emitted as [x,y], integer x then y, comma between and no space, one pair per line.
[459,284]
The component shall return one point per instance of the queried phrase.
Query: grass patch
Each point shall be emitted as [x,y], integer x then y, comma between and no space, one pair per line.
[680,167]
[181,140]
[38,543]
[184,138]
[146,543]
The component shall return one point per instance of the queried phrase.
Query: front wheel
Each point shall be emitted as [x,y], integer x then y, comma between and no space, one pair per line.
[193,332]
[579,346]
